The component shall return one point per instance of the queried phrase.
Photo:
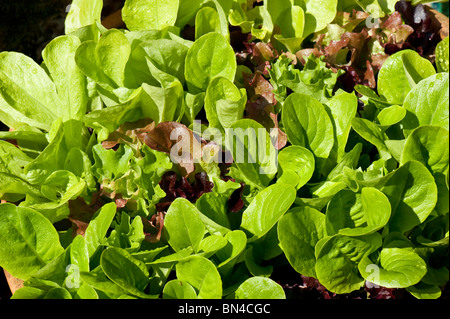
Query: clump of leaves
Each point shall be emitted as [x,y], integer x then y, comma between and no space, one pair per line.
[349,199]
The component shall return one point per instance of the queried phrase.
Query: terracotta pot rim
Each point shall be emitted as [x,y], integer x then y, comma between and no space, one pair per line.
[13,282]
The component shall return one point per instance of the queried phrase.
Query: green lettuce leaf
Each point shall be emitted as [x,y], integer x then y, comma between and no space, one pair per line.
[83,13]
[32,241]
[209,57]
[163,13]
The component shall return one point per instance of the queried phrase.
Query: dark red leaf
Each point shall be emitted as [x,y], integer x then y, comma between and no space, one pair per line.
[153,227]
[175,187]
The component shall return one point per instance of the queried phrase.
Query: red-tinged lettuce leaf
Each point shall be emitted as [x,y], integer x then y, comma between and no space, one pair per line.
[257,56]
[259,87]
[360,48]
[377,292]
[396,31]
[261,106]
[175,186]
[153,227]
[130,133]
[81,212]
[180,142]
[235,203]
[429,30]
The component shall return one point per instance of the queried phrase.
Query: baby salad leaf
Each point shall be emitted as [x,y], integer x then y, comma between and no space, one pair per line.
[167,258]
[53,274]
[400,73]
[255,20]
[187,11]
[126,271]
[299,160]
[209,57]
[317,14]
[228,255]
[78,163]
[194,104]
[412,192]
[167,55]
[267,208]
[211,244]
[307,124]
[322,193]
[58,293]
[14,188]
[442,60]
[391,115]
[208,20]
[260,288]
[149,14]
[27,94]
[214,206]
[299,230]
[342,211]
[57,189]
[315,79]
[427,103]
[349,161]
[79,262]
[31,241]
[354,214]
[126,234]
[374,134]
[12,159]
[111,164]
[428,145]
[291,20]
[71,83]
[27,292]
[253,258]
[210,217]
[105,61]
[183,226]
[79,254]
[276,9]
[254,155]
[399,268]
[338,257]
[218,21]
[162,103]
[201,274]
[342,107]
[425,291]
[83,13]
[224,103]
[98,227]
[107,120]
[29,139]
[177,289]
[70,134]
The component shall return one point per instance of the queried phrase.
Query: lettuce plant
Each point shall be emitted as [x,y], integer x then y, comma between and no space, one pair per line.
[352,190]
